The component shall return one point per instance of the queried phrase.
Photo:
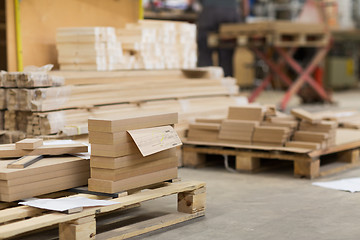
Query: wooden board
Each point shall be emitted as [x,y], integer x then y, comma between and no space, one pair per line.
[135,170]
[107,186]
[10,151]
[70,170]
[25,161]
[29,144]
[248,113]
[305,115]
[130,123]
[46,165]
[109,138]
[129,160]
[345,139]
[38,30]
[119,150]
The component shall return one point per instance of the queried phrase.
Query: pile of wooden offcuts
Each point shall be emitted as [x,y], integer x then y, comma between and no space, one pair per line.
[34,175]
[264,126]
[143,45]
[62,111]
[116,161]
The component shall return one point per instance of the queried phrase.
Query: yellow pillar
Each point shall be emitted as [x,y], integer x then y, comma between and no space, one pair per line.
[19,55]
[141,10]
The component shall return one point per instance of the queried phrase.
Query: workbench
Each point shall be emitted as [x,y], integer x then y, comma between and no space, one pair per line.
[282,38]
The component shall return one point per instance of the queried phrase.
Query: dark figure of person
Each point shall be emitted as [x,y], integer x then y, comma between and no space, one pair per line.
[214,13]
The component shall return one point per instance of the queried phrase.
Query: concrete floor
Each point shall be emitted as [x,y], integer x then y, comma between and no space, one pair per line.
[271,204]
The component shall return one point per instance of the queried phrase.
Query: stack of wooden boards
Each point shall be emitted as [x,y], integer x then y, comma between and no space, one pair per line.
[22,94]
[144,45]
[30,175]
[64,110]
[116,161]
[263,126]
[88,48]
[158,45]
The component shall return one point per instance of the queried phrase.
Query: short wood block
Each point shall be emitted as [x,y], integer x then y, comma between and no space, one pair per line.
[29,144]
[310,169]
[350,156]
[247,163]
[193,159]
[192,202]
[83,230]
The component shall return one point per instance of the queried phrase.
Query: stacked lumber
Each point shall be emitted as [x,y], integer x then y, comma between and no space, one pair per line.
[117,163]
[264,126]
[238,131]
[271,136]
[22,93]
[88,48]
[240,124]
[204,131]
[45,176]
[152,44]
[313,130]
[33,174]
[64,110]
[143,45]
[345,118]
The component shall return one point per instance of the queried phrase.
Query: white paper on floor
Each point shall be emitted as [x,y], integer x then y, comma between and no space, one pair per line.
[348,184]
[63,204]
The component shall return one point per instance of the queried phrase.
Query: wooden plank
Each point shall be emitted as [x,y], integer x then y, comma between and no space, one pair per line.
[252,147]
[29,144]
[246,153]
[130,123]
[205,126]
[336,167]
[70,170]
[129,160]
[148,226]
[65,183]
[109,138]
[51,164]
[118,150]
[24,161]
[10,151]
[135,170]
[299,144]
[21,212]
[17,228]
[249,113]
[305,115]
[106,186]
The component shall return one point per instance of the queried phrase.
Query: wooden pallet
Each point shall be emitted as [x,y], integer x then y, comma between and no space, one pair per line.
[19,220]
[310,165]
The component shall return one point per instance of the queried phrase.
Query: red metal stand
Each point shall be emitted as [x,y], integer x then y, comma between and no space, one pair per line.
[304,73]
